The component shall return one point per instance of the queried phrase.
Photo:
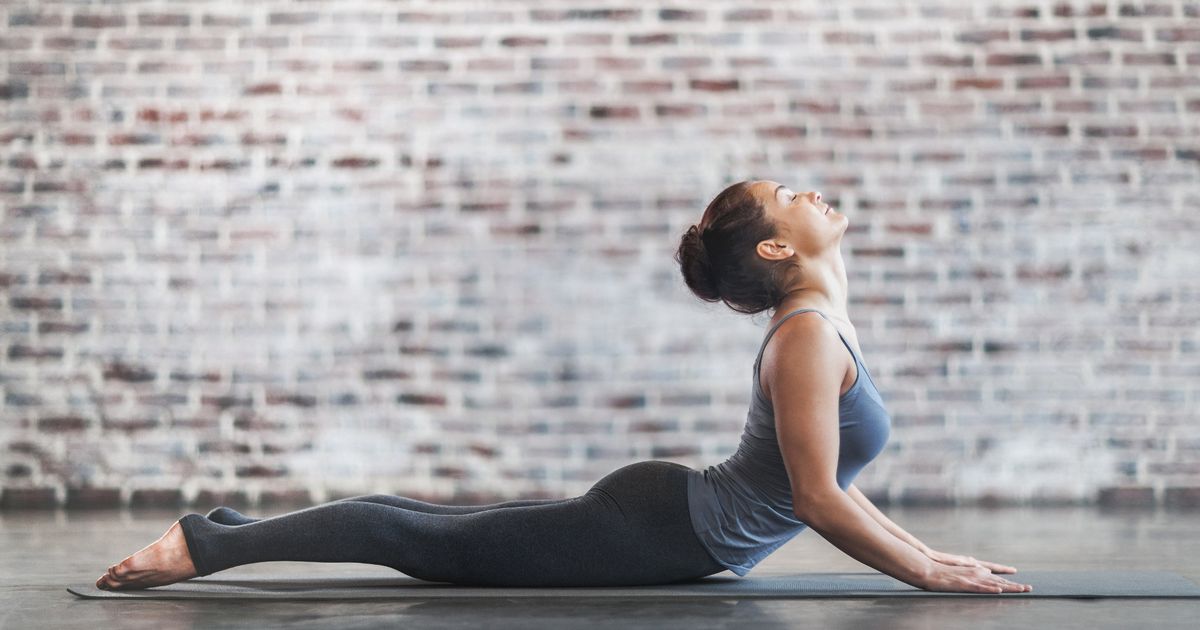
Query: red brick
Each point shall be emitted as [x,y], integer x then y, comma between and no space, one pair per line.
[926,497]
[1046,82]
[1086,58]
[1177,34]
[163,19]
[680,110]
[1110,131]
[1144,9]
[1020,59]
[97,20]
[1080,106]
[93,498]
[290,497]
[1126,496]
[516,41]
[704,85]
[948,61]
[156,497]
[909,86]
[62,424]
[977,83]
[213,498]
[1048,34]
[653,39]
[28,498]
[680,15]
[1187,497]
[20,19]
[561,15]
[848,37]
[457,42]
[1070,9]
[748,15]
[983,36]
[1116,33]
[1163,59]
[781,132]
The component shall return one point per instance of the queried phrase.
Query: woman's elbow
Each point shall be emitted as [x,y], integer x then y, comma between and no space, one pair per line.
[812,503]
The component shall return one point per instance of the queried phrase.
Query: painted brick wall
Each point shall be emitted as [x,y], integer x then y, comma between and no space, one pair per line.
[264,252]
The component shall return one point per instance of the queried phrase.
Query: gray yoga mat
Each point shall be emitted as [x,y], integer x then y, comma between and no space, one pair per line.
[1070,584]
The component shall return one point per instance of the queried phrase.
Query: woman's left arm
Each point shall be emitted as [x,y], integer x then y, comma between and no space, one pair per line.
[937,556]
[897,531]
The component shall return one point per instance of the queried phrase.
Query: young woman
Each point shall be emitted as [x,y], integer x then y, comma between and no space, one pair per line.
[815,420]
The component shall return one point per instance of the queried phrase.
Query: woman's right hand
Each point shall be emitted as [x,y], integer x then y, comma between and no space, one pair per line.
[975,579]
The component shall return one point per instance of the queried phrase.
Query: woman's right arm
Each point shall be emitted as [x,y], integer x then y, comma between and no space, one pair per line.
[838,519]
[804,392]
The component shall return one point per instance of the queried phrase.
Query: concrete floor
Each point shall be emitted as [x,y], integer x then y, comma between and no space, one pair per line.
[42,552]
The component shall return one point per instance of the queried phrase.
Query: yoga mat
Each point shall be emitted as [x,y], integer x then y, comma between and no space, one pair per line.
[1069,584]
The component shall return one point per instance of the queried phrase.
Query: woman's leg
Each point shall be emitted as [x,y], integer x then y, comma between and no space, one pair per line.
[577,540]
[632,527]
[229,516]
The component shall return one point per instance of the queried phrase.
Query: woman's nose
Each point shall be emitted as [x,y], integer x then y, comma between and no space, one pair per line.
[818,195]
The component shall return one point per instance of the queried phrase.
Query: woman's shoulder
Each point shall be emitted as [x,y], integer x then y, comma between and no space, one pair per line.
[808,343]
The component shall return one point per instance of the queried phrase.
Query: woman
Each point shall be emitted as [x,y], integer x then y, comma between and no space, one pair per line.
[758,247]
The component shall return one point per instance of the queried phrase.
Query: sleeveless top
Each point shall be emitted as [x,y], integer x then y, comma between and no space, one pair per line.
[741,509]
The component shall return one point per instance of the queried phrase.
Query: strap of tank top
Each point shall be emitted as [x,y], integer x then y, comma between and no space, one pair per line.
[767,338]
[770,332]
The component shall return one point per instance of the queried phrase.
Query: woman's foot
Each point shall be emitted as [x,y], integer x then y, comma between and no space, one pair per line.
[165,561]
[229,516]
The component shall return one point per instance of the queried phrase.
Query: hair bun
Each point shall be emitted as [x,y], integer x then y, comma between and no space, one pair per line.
[696,267]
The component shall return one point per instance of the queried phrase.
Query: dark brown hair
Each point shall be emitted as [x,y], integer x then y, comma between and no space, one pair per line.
[717,256]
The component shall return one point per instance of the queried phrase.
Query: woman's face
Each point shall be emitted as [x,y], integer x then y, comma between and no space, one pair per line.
[803,220]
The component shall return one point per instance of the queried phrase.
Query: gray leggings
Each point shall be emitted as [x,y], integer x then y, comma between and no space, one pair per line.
[631,527]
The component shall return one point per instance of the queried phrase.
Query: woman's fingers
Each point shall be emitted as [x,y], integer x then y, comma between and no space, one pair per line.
[997,568]
[974,579]
[994,567]
[971,561]
[996,584]
[1011,587]
[992,587]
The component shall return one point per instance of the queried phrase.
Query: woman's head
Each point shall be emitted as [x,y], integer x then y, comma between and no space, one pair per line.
[753,241]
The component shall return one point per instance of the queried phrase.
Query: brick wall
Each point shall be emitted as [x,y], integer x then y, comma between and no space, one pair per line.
[262,252]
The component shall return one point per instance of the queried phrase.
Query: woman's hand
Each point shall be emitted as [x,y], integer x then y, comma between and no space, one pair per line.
[955,573]
[968,579]
[966,561]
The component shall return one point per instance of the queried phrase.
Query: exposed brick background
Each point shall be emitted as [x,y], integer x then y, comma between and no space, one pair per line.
[256,252]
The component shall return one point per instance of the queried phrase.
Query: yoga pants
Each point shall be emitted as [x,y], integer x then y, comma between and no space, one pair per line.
[632,527]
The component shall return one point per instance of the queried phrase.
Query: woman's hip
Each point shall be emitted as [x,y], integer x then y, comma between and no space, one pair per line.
[654,486]
[652,499]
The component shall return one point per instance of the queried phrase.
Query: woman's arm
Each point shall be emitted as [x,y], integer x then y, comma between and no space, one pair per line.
[937,556]
[897,531]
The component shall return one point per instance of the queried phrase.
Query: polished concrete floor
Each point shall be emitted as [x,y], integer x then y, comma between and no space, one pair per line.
[42,552]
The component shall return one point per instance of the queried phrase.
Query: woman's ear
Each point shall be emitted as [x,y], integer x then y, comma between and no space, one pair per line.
[774,250]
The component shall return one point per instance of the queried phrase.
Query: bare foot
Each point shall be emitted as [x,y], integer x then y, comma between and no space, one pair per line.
[164,561]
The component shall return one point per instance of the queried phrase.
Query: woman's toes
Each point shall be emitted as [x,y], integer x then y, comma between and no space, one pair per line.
[164,561]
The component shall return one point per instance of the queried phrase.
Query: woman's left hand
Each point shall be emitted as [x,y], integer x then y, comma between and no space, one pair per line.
[967,561]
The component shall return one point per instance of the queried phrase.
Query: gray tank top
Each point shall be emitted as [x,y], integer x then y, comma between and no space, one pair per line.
[741,509]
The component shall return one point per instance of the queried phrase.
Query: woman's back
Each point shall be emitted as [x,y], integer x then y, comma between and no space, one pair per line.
[741,509]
